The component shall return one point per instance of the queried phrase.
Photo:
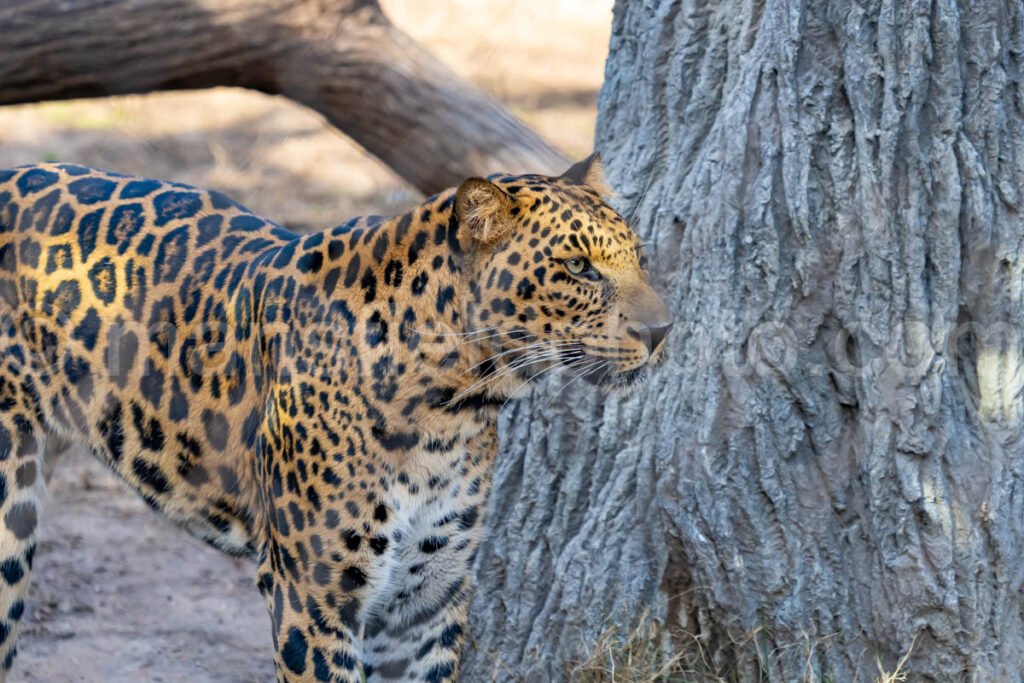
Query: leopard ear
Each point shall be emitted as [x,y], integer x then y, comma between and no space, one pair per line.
[590,172]
[484,212]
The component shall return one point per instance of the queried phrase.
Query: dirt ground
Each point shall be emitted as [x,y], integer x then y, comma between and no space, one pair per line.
[119,595]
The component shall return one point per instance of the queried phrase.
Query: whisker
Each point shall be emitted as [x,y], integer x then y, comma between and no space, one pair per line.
[495,335]
[553,351]
[468,339]
[541,347]
[506,371]
[561,344]
[435,333]
[528,380]
[551,369]
[580,374]
[608,352]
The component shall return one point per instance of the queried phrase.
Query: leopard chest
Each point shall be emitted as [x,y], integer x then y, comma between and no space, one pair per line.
[427,543]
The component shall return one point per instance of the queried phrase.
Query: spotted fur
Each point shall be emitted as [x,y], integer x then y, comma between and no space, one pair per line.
[323,403]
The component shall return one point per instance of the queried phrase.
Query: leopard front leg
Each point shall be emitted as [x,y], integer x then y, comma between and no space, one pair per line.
[313,633]
[315,568]
[314,584]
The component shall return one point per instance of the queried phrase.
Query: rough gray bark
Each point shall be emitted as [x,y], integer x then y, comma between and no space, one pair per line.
[831,472]
[343,59]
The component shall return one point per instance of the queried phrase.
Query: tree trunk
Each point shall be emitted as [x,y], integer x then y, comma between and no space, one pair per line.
[342,58]
[830,474]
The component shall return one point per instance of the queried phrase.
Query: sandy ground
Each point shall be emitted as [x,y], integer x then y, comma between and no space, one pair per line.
[119,595]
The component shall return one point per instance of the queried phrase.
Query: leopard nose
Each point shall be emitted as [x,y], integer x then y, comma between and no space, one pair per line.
[658,334]
[652,336]
[651,320]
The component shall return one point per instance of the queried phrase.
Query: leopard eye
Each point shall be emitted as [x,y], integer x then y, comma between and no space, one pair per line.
[581,267]
[577,265]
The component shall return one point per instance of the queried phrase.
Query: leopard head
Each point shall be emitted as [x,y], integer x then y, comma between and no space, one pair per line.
[557,279]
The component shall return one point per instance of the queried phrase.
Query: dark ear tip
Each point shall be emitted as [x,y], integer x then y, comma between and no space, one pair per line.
[578,172]
[590,172]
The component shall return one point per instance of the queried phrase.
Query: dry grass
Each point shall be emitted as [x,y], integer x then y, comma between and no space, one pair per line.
[648,655]
[899,674]
[638,659]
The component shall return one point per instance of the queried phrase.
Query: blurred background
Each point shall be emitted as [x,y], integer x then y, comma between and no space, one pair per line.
[106,565]
[543,61]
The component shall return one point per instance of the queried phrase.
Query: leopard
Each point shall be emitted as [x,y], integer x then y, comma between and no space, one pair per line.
[324,403]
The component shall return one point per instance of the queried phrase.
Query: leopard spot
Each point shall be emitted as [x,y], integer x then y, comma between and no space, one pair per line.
[35,180]
[216,428]
[92,190]
[175,205]
[21,520]
[125,223]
